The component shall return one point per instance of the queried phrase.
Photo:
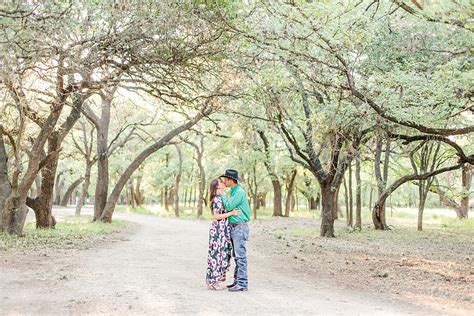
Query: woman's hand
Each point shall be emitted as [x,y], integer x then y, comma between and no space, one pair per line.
[236,212]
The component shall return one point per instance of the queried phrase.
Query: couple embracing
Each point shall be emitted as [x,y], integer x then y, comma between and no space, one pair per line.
[229,233]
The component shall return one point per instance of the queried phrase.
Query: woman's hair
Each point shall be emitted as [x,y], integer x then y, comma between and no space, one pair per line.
[212,191]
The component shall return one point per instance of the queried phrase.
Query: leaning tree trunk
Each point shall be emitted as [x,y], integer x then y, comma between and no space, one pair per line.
[122,181]
[69,191]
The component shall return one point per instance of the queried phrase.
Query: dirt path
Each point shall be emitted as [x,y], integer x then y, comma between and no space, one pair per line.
[159,268]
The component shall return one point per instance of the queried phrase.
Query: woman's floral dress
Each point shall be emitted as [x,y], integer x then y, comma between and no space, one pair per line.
[220,246]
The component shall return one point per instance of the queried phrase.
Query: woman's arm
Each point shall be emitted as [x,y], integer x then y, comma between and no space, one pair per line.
[225,215]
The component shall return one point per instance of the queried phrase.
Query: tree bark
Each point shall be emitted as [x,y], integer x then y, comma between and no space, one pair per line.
[327,200]
[277,200]
[59,191]
[277,197]
[138,194]
[350,218]
[378,214]
[69,191]
[85,189]
[5,186]
[177,181]
[358,222]
[102,125]
[165,140]
[466,179]
[346,199]
[43,204]
[421,205]
[199,149]
[289,192]
[202,184]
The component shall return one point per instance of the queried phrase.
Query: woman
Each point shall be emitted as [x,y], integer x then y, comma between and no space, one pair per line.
[220,246]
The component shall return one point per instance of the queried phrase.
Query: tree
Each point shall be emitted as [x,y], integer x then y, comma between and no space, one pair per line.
[199,154]
[277,196]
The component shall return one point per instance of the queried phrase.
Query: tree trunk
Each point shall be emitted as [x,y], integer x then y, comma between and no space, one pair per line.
[67,196]
[131,191]
[177,181]
[370,196]
[289,192]
[102,182]
[276,197]
[85,189]
[337,210]
[138,194]
[199,149]
[466,179]
[59,192]
[421,206]
[378,214]
[5,187]
[202,187]
[43,204]
[358,222]
[346,199]
[351,208]
[327,221]
[190,195]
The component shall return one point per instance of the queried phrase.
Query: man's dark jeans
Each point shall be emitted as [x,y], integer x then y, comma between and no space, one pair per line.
[240,235]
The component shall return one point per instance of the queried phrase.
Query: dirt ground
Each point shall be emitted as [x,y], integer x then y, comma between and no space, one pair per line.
[158,267]
[433,268]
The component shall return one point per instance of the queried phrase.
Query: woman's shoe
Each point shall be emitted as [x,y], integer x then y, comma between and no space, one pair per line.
[215,287]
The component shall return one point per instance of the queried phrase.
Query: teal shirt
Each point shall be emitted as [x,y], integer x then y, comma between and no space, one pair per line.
[238,200]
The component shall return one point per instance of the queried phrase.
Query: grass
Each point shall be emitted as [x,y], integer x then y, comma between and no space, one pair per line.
[71,231]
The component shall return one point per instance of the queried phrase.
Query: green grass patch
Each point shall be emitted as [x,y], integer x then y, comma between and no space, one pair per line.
[466,224]
[71,232]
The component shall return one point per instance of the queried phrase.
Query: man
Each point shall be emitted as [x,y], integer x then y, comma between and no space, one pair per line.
[239,232]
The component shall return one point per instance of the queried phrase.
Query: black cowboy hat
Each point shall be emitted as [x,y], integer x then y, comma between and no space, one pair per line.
[231,174]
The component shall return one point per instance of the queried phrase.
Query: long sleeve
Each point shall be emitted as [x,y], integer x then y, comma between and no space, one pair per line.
[233,201]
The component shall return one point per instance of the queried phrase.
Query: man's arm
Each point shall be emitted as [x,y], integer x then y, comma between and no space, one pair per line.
[234,201]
